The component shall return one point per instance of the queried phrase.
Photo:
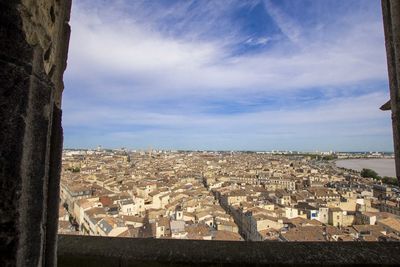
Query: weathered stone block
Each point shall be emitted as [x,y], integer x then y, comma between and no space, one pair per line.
[33,51]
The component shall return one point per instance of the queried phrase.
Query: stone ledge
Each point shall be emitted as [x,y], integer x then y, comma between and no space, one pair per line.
[107,251]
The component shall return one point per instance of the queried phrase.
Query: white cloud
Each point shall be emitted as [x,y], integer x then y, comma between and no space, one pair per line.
[320,126]
[284,22]
[155,62]
[336,111]
[120,59]
[257,41]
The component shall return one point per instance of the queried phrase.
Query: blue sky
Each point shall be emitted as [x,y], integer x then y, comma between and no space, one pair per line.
[227,75]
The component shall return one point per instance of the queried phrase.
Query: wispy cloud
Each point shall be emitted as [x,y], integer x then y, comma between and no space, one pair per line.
[130,51]
[286,24]
[173,68]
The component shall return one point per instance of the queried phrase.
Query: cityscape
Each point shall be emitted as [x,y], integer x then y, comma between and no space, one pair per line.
[234,196]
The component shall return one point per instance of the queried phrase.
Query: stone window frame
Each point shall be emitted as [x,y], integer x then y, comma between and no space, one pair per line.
[34,37]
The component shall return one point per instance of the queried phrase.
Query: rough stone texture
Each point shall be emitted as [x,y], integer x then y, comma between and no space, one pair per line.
[103,251]
[33,48]
[391,22]
[54,186]
[45,23]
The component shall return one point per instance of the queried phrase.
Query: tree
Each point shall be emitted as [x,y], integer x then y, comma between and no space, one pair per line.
[74,169]
[329,157]
[389,180]
[368,173]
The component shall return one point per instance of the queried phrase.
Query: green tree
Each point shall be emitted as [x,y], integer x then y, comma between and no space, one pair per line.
[368,173]
[329,157]
[389,180]
[74,169]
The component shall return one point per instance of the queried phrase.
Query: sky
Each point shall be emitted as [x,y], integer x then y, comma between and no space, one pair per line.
[300,75]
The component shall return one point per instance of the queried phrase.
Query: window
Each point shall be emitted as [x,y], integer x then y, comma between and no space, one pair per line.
[218,171]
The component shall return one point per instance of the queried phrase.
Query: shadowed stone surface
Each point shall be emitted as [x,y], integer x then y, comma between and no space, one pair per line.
[391,23]
[33,48]
[103,251]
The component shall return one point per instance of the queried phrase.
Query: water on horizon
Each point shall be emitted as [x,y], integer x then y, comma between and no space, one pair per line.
[384,167]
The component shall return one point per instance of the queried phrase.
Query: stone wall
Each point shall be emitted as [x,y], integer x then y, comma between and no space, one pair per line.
[34,36]
[391,23]
[108,251]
